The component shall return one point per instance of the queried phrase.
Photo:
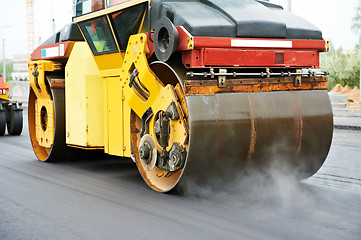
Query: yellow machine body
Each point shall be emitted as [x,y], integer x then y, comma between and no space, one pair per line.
[90,91]
[84,104]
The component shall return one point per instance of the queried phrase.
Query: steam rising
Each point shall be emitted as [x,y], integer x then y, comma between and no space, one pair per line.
[276,183]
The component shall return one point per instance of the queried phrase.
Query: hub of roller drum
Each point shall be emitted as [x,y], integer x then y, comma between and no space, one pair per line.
[147,152]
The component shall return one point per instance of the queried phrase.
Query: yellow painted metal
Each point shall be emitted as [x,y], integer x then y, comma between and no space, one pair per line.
[83,100]
[136,58]
[109,61]
[327,46]
[4,97]
[117,118]
[44,120]
[160,96]
[120,98]
[127,148]
[114,116]
[44,107]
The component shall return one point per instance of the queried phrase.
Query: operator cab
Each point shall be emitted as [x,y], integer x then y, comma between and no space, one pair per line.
[107,25]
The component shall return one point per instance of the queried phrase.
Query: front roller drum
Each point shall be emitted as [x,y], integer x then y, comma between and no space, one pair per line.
[231,134]
[159,142]
[234,133]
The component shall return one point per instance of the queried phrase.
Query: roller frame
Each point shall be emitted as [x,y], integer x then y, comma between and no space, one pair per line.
[160,99]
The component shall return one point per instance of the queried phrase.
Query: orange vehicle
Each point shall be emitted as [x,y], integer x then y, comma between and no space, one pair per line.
[11,113]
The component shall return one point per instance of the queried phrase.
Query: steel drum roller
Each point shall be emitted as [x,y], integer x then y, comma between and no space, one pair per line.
[232,133]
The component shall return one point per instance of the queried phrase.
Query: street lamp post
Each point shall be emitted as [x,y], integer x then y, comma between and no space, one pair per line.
[290,5]
[4,64]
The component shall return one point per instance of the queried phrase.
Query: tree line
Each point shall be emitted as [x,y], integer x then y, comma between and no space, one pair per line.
[344,65]
[8,67]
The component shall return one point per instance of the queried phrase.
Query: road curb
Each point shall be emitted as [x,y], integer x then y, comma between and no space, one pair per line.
[346,127]
[347,113]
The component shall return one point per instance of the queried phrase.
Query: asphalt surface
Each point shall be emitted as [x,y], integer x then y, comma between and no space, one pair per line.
[107,199]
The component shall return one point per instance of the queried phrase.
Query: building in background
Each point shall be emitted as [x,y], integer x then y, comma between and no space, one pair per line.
[20,67]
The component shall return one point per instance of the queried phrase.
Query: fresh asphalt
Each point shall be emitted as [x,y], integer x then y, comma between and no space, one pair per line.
[107,199]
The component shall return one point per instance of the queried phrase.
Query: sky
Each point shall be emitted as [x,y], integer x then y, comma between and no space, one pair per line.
[13,26]
[333,17]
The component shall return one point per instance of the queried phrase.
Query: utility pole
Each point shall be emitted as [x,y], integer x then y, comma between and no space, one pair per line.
[4,64]
[30,25]
[290,5]
[53,26]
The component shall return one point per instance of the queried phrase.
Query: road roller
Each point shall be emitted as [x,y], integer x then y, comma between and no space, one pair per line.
[193,91]
[11,112]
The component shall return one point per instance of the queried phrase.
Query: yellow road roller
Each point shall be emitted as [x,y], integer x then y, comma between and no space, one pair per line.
[201,91]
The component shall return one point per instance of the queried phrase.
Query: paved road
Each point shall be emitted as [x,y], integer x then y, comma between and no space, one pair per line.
[107,199]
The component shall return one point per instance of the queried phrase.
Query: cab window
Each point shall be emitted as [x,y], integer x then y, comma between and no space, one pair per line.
[127,22]
[87,6]
[116,2]
[99,36]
